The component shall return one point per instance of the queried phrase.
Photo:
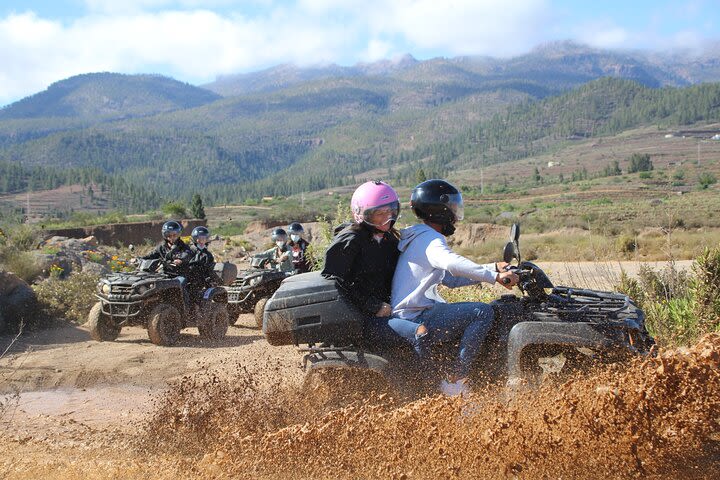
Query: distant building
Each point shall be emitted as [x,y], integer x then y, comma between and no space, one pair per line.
[716,136]
[669,135]
[551,164]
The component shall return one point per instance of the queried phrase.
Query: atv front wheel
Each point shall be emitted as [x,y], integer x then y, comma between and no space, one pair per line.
[213,323]
[259,310]
[164,325]
[102,328]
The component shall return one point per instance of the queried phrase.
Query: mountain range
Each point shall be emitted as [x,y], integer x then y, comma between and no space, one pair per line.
[288,129]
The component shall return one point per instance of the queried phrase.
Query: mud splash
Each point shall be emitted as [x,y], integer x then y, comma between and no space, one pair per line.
[655,417]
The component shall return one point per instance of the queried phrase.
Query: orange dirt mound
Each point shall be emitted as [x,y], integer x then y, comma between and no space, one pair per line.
[654,417]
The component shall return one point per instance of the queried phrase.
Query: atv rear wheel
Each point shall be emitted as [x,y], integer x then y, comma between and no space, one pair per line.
[164,325]
[259,310]
[213,322]
[102,327]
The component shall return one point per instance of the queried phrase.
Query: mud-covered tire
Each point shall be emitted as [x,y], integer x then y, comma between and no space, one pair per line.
[233,314]
[164,325]
[259,310]
[213,324]
[102,328]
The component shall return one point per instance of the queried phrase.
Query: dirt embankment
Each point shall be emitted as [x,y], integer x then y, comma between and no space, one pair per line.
[238,409]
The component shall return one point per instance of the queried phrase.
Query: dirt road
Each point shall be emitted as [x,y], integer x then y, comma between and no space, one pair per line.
[236,408]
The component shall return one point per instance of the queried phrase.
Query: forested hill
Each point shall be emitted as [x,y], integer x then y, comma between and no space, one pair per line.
[106,96]
[605,106]
[154,137]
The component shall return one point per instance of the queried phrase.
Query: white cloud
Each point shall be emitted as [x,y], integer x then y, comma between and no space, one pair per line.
[192,45]
[192,41]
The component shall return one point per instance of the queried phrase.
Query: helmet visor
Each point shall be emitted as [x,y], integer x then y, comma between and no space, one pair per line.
[382,215]
[456,206]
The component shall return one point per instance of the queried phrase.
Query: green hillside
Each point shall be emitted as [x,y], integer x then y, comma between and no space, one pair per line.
[304,130]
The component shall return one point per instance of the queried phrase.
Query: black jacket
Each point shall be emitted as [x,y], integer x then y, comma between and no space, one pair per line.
[299,260]
[168,254]
[362,267]
[201,265]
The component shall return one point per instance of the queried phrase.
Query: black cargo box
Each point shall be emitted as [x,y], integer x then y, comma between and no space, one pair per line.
[308,308]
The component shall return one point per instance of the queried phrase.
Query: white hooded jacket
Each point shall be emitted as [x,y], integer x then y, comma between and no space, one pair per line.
[425,262]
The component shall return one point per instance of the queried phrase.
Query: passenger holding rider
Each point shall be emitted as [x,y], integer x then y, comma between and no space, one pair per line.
[280,254]
[201,265]
[298,247]
[363,255]
[425,262]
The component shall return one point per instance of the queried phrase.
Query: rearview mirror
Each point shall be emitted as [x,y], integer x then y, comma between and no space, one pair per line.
[515,233]
[510,252]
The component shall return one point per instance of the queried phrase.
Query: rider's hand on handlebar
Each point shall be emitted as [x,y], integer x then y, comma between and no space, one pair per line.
[177,261]
[385,310]
[507,279]
[501,266]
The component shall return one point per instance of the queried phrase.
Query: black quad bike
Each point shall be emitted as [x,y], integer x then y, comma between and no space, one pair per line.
[544,331]
[253,288]
[157,301]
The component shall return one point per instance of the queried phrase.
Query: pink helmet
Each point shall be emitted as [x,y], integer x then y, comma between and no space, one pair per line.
[371,196]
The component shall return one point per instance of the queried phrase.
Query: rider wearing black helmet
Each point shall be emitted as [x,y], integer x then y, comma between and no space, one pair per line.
[172,251]
[280,254]
[201,275]
[425,262]
[298,246]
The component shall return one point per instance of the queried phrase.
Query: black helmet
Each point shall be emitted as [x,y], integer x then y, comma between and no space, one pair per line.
[437,201]
[296,229]
[171,227]
[199,232]
[279,234]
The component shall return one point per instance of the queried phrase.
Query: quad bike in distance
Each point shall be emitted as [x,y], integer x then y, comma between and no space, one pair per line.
[253,287]
[160,303]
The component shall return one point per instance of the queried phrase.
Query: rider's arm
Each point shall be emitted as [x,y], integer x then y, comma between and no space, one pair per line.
[441,257]
[155,253]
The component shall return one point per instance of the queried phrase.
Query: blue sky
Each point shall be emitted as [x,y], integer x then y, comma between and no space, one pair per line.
[197,40]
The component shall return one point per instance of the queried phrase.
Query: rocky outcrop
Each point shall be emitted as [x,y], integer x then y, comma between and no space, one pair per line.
[18,303]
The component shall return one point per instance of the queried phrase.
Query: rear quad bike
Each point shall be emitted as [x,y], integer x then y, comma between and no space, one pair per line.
[253,288]
[544,331]
[155,300]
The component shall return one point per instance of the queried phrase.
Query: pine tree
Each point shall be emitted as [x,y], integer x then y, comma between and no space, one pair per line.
[196,207]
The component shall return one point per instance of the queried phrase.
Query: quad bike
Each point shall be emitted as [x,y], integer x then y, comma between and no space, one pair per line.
[253,288]
[157,301]
[546,330]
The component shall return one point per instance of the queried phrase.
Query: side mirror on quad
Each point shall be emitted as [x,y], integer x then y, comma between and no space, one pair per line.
[510,253]
[515,233]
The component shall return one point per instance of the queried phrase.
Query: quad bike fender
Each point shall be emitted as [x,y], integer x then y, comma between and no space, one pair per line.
[575,335]
[215,295]
[343,359]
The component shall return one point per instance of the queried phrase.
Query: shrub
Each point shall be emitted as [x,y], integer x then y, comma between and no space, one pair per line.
[706,179]
[71,298]
[174,209]
[705,288]
[626,244]
[22,264]
[23,237]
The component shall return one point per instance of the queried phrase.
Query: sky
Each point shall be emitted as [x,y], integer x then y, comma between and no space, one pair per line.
[43,41]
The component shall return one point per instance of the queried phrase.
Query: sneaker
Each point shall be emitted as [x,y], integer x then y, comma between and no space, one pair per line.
[453,389]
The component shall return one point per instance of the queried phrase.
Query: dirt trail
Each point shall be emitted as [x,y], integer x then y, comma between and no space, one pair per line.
[237,408]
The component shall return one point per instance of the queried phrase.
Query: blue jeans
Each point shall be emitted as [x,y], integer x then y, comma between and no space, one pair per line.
[468,322]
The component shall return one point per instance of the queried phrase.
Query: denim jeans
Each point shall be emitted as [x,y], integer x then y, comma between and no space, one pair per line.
[468,322]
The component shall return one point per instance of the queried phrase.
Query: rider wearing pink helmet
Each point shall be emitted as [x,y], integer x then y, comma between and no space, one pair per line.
[376,204]
[363,256]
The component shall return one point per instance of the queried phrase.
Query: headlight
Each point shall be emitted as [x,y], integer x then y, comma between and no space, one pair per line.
[105,289]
